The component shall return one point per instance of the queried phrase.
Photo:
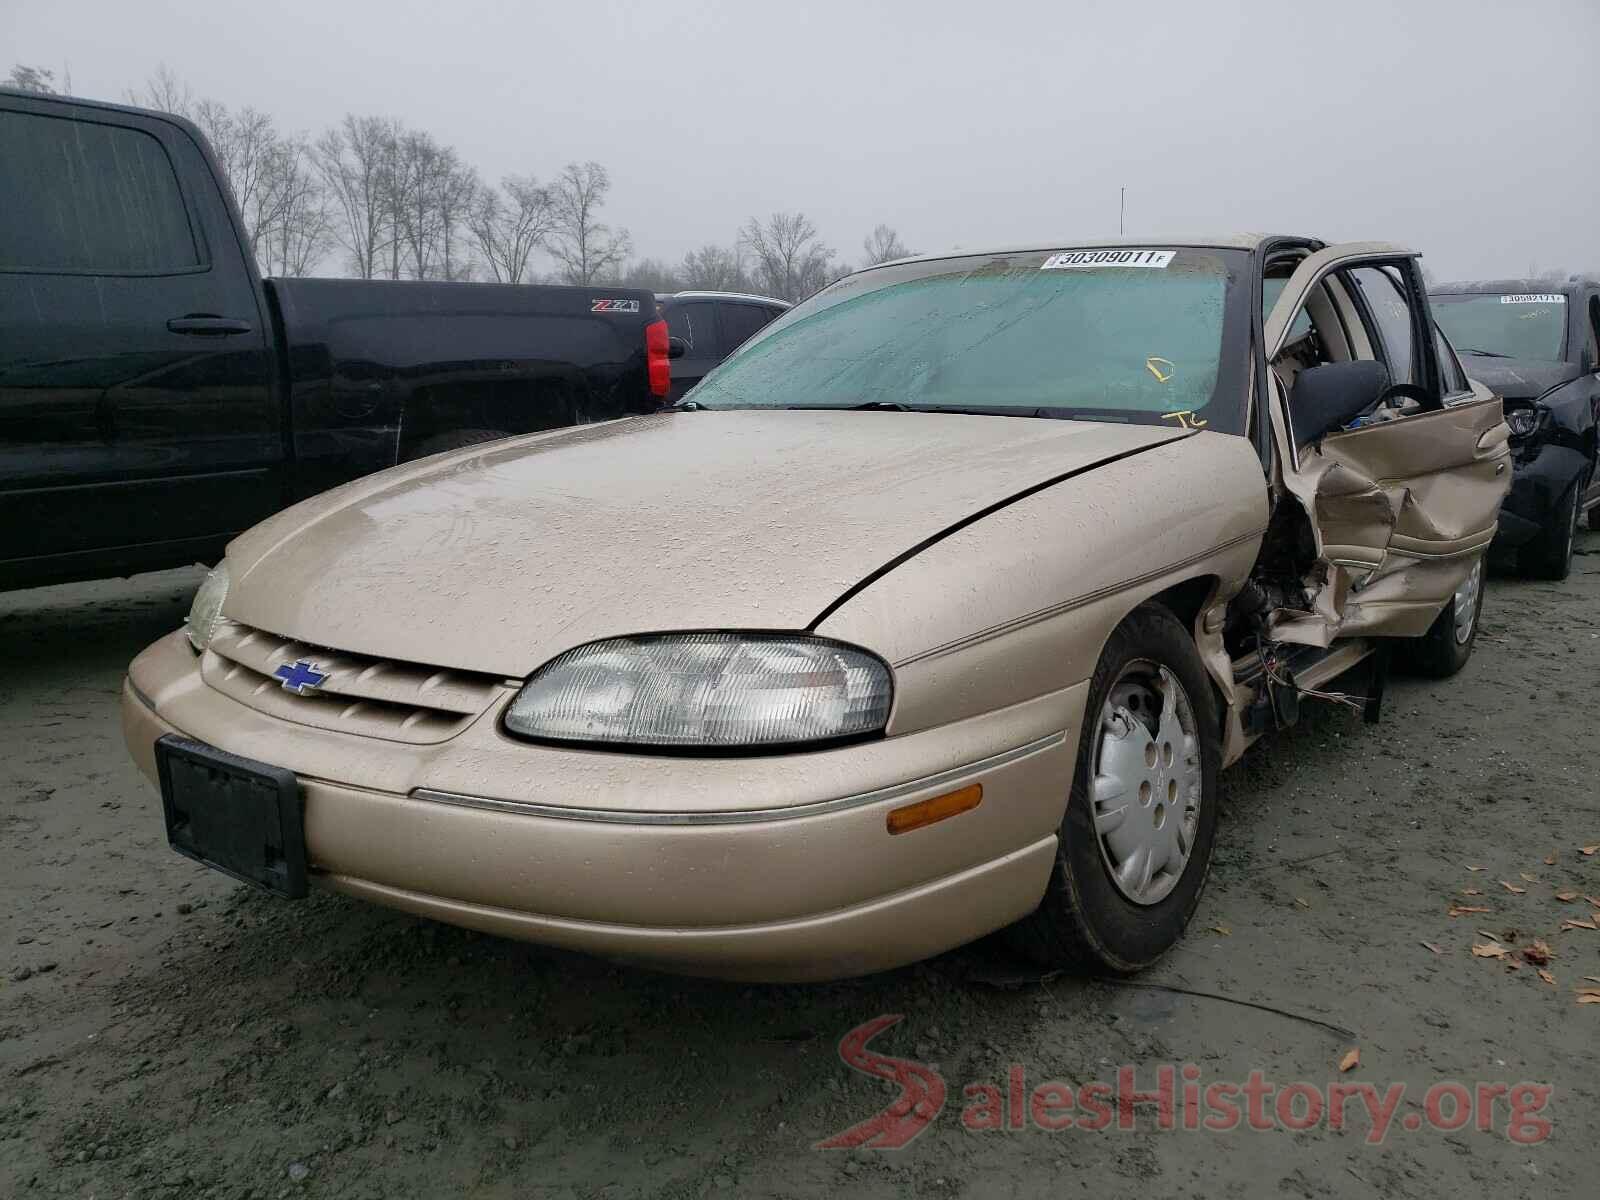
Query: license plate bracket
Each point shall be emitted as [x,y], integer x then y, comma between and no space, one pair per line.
[235,815]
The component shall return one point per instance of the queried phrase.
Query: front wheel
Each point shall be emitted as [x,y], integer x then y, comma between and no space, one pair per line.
[1136,841]
[1549,554]
[1447,645]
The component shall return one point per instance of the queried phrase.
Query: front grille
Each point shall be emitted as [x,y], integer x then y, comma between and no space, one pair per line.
[374,697]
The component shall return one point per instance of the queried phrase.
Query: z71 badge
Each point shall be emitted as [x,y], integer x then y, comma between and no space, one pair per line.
[613,306]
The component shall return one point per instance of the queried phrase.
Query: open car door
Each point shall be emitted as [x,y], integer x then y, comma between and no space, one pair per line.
[1403,496]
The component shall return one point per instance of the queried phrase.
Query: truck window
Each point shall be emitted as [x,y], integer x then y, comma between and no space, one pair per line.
[696,324]
[740,321]
[89,198]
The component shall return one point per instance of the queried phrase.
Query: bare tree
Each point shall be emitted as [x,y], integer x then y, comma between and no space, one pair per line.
[31,79]
[790,263]
[353,161]
[165,92]
[508,225]
[585,248]
[716,269]
[301,232]
[653,275]
[245,143]
[455,188]
[883,245]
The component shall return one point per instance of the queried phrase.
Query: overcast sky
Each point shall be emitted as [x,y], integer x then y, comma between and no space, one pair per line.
[1467,128]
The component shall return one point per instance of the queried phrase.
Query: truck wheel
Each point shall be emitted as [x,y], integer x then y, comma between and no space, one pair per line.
[1447,645]
[1135,843]
[456,439]
[1549,554]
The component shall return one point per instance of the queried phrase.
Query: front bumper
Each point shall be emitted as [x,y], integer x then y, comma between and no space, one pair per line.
[1542,475]
[755,868]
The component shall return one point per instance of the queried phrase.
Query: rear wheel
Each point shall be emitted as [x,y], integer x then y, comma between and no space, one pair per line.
[1136,841]
[456,439]
[1447,645]
[1549,554]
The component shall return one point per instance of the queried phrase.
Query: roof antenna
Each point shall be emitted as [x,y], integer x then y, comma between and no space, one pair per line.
[1122,207]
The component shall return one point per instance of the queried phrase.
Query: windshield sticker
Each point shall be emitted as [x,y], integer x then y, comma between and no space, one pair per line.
[614,306]
[1538,298]
[1157,259]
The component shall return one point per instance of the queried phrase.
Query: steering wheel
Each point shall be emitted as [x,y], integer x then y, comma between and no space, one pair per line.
[1406,391]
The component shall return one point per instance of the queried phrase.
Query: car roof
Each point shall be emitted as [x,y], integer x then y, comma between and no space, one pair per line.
[1467,287]
[706,295]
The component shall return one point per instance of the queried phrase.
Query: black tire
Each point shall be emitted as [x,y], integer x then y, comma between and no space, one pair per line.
[456,439]
[1085,922]
[1440,652]
[1549,554]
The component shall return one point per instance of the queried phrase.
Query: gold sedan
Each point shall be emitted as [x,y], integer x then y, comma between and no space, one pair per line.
[936,609]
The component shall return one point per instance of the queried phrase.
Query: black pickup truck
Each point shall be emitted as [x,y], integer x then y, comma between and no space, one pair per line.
[1537,345]
[157,396]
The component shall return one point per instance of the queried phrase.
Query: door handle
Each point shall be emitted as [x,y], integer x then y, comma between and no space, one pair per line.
[204,325]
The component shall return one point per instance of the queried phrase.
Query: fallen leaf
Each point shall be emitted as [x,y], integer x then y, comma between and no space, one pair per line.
[1490,934]
[1566,897]
[1593,978]
[1547,977]
[1589,991]
[1513,965]
[1594,900]
[1477,868]
[1222,929]
[1431,946]
[1471,892]
[1589,851]
[1488,950]
[1579,924]
[1457,910]
[1589,998]
[1512,888]
[1350,1061]
[1539,953]
[1530,878]
[1550,859]
[1301,902]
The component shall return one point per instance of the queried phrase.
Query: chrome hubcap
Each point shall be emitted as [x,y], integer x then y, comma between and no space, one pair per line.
[1147,782]
[1467,602]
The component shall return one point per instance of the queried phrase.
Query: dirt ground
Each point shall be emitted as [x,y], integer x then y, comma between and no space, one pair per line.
[165,1032]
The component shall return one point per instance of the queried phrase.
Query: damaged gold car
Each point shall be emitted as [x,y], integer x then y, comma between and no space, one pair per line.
[936,609]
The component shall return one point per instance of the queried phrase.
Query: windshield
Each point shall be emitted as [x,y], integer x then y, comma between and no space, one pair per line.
[1123,334]
[1516,325]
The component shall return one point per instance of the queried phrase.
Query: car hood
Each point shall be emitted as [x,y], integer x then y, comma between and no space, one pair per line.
[498,557]
[1518,378]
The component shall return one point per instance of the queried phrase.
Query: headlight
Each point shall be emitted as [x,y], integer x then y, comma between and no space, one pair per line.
[206,611]
[1522,420]
[714,690]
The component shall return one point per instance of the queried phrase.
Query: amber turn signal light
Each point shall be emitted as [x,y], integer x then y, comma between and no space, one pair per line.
[935,808]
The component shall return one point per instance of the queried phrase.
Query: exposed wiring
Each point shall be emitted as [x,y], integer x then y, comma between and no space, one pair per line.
[1269,668]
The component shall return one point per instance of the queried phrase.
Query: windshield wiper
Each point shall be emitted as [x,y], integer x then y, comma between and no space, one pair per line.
[870,405]
[1481,353]
[994,410]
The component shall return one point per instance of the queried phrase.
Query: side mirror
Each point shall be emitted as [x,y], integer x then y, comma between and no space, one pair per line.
[1329,397]
[677,347]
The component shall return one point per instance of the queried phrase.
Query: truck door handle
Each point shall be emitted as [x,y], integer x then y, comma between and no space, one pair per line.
[205,325]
